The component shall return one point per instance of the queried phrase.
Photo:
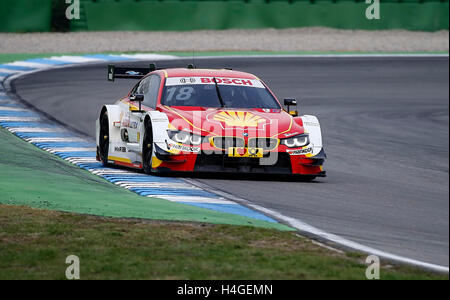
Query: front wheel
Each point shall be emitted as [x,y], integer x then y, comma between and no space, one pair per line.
[147,148]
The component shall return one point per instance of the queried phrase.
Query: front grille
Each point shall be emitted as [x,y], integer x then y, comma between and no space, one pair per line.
[268,144]
[223,163]
[224,142]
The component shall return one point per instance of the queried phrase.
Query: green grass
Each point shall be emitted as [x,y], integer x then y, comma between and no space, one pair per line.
[35,243]
[32,177]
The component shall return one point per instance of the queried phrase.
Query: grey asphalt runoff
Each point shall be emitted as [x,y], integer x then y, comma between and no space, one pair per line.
[385,124]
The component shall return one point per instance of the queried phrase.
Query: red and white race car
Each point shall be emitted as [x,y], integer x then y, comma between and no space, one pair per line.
[198,120]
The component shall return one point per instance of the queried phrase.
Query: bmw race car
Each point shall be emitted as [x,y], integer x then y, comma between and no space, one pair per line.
[199,120]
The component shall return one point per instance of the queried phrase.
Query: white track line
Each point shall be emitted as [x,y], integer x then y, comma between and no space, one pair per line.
[19,119]
[36,129]
[7,108]
[29,65]
[167,185]
[306,228]
[53,150]
[193,199]
[55,139]
[143,56]
[10,71]
[112,172]
[76,59]
[81,160]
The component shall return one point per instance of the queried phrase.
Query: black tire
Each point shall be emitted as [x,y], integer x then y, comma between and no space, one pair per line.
[103,148]
[147,148]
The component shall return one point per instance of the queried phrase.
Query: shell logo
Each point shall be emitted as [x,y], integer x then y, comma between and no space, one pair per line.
[239,118]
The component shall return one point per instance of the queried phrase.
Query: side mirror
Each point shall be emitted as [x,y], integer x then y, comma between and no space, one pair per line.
[291,102]
[137,98]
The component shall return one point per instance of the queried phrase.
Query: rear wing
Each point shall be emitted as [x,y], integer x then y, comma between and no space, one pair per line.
[132,72]
[128,72]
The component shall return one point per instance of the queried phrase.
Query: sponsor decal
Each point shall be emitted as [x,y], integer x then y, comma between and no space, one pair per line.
[120,149]
[133,73]
[173,81]
[190,80]
[127,123]
[311,124]
[239,118]
[303,151]
[184,148]
[227,81]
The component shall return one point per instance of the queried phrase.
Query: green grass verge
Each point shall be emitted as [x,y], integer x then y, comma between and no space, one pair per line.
[35,243]
[35,178]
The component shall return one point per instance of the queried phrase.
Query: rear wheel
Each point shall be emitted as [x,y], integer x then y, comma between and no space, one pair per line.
[147,148]
[104,138]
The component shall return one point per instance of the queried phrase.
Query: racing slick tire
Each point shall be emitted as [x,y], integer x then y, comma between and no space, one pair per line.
[147,148]
[103,148]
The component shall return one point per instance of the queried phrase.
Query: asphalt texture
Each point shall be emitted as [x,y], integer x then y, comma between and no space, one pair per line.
[385,124]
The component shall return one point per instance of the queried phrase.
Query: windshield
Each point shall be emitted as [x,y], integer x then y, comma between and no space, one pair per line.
[234,93]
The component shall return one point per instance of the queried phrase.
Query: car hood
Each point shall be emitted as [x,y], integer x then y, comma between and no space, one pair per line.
[234,122]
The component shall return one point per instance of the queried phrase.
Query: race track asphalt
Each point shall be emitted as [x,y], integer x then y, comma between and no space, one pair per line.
[385,124]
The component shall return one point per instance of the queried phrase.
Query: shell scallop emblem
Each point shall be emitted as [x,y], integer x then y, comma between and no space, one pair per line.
[239,118]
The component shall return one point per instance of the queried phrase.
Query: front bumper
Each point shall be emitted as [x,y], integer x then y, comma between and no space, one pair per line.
[280,163]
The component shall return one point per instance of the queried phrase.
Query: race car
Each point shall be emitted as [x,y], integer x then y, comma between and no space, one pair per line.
[203,120]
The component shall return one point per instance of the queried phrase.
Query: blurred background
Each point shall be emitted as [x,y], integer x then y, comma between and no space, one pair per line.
[186,15]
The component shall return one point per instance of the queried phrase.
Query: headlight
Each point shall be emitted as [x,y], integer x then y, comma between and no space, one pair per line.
[185,137]
[296,141]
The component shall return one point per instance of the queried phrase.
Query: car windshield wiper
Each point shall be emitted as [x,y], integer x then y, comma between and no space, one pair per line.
[218,92]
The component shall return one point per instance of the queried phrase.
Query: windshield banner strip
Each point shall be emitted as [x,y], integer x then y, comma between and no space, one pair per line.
[174,81]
